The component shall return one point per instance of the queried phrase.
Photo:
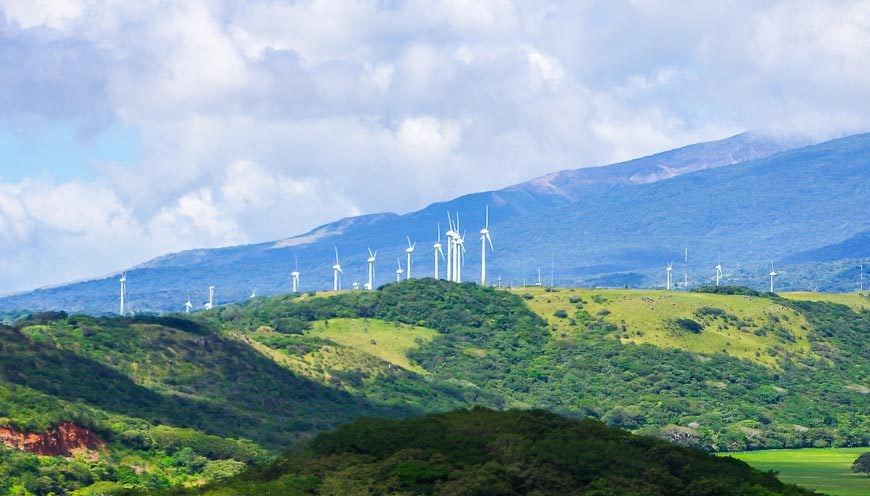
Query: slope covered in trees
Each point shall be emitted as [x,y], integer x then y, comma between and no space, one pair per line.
[486,452]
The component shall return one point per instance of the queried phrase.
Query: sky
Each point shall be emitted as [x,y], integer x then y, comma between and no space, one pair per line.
[134,128]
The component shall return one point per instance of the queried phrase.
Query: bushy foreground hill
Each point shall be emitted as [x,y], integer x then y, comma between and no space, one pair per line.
[178,401]
[484,452]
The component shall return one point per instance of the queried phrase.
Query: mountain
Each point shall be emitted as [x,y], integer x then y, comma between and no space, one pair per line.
[158,402]
[499,453]
[742,199]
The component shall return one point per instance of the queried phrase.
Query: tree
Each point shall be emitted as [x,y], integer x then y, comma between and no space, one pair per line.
[862,464]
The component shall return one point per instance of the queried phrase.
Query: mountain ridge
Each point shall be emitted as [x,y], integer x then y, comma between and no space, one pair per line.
[593,232]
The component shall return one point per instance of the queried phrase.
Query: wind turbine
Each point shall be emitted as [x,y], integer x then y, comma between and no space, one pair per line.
[772,275]
[253,293]
[123,282]
[861,278]
[450,232]
[538,284]
[438,250]
[295,276]
[336,273]
[484,237]
[188,305]
[718,271]
[399,270]
[210,304]
[409,250]
[460,256]
[371,260]
[669,270]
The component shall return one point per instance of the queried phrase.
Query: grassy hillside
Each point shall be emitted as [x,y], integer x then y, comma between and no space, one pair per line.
[751,328]
[498,453]
[823,469]
[757,371]
[174,402]
[241,382]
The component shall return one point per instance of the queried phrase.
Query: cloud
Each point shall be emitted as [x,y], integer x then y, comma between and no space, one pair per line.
[322,109]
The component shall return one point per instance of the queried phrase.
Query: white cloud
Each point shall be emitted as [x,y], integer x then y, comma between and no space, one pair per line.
[310,106]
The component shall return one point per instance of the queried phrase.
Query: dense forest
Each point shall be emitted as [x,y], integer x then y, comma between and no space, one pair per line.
[484,452]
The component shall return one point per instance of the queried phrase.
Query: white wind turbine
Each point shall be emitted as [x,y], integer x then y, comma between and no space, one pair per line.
[336,273]
[123,282]
[450,248]
[718,271]
[188,305]
[399,270]
[372,258]
[253,293]
[409,250]
[538,284]
[438,250]
[294,276]
[484,237]
[772,275]
[670,270]
[210,304]
[460,256]
[861,278]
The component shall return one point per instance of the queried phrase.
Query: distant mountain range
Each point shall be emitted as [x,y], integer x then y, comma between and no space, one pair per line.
[747,200]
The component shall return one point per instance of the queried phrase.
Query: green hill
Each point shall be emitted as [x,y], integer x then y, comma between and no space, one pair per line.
[499,453]
[184,401]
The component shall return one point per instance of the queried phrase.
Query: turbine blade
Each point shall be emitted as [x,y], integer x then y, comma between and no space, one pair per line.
[486,224]
[489,238]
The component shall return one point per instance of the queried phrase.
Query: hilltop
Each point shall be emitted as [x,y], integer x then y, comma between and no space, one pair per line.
[238,384]
[499,453]
[747,200]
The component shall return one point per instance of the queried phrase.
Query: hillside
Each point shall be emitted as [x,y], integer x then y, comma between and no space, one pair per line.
[241,382]
[499,453]
[612,226]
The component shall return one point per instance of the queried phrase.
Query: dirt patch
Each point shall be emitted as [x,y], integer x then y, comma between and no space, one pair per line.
[62,440]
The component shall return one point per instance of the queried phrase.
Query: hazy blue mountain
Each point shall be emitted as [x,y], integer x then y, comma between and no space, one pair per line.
[613,225]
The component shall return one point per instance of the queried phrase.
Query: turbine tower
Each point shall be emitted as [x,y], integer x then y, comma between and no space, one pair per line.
[188,305]
[670,270]
[253,293]
[294,276]
[718,271]
[399,270]
[538,284]
[449,234]
[409,250]
[484,237]
[772,275]
[460,256]
[438,250]
[861,279]
[123,282]
[336,273]
[210,304]
[372,257]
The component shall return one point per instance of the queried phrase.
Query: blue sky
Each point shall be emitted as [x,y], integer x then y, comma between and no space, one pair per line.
[133,128]
[60,151]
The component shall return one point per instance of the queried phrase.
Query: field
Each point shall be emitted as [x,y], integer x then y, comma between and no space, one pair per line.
[750,328]
[856,301]
[825,470]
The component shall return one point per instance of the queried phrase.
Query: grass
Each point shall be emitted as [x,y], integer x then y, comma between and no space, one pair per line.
[754,329]
[824,469]
[856,301]
[390,342]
